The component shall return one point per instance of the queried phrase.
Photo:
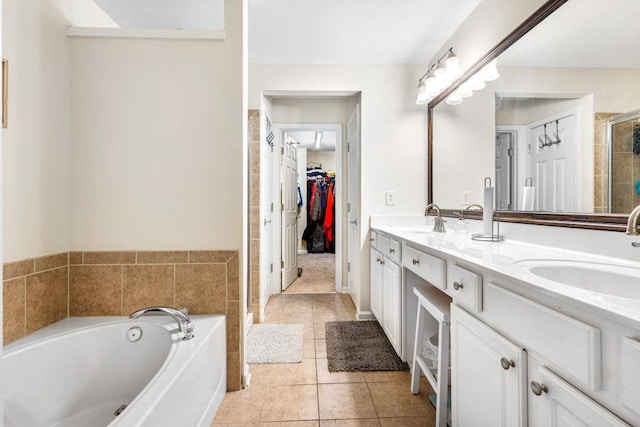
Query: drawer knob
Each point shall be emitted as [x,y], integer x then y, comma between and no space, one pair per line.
[372,239]
[457,285]
[415,262]
[506,364]
[538,388]
[378,260]
[391,250]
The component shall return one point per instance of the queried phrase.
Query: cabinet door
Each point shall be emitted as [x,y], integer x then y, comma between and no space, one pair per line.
[376,284]
[557,403]
[392,302]
[489,372]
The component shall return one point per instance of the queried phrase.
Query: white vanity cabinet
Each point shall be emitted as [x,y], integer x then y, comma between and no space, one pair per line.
[386,287]
[554,402]
[489,375]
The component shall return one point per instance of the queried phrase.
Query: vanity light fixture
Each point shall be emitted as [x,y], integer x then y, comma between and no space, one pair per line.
[444,72]
[438,77]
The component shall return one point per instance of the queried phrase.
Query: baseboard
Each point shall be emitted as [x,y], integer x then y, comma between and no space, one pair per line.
[365,315]
[344,290]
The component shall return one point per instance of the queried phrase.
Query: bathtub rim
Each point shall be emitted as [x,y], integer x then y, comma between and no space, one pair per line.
[72,325]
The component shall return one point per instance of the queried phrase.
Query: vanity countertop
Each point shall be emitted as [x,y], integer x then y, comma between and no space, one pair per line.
[510,258]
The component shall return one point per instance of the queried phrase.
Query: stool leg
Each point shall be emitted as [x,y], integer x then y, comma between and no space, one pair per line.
[417,351]
[443,375]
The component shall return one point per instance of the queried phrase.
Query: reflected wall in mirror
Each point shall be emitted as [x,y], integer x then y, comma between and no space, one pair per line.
[556,130]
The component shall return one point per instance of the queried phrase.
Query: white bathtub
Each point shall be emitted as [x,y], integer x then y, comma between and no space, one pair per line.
[79,371]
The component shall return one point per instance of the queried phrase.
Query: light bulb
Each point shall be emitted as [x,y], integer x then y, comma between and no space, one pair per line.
[453,68]
[464,91]
[442,79]
[421,93]
[476,83]
[489,72]
[431,86]
[454,99]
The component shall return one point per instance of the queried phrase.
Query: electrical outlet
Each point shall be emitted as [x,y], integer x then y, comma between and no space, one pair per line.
[466,198]
[390,197]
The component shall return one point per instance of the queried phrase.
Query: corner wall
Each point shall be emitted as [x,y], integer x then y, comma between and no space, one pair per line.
[36,143]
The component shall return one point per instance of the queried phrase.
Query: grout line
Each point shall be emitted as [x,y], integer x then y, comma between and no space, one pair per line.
[122,290]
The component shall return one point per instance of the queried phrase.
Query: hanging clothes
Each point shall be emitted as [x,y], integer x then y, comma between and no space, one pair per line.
[329,217]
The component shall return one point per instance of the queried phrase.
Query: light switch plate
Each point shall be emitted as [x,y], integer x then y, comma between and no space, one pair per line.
[390,196]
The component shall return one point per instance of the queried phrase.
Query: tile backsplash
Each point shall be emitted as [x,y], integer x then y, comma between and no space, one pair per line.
[40,291]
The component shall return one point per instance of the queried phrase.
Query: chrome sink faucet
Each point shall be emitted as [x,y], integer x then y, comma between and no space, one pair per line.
[438,221]
[632,224]
[180,316]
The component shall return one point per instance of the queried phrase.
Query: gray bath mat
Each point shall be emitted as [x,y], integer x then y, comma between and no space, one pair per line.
[273,343]
[360,346]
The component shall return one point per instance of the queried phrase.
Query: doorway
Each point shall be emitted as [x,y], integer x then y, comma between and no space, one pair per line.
[315,248]
[318,178]
[291,125]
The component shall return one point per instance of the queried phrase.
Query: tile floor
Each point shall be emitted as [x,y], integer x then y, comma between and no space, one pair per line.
[318,274]
[308,395]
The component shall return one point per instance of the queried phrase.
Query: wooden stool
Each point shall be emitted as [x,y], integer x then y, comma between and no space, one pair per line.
[437,304]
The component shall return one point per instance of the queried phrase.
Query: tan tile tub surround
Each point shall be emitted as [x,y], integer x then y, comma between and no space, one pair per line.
[35,294]
[41,291]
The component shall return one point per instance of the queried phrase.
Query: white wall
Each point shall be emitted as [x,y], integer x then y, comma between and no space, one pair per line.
[394,151]
[326,158]
[485,27]
[36,144]
[157,142]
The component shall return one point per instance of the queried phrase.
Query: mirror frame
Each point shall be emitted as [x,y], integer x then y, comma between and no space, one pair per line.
[608,222]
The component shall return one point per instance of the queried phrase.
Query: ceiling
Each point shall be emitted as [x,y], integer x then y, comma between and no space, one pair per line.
[352,31]
[166,14]
[298,31]
[585,33]
[307,139]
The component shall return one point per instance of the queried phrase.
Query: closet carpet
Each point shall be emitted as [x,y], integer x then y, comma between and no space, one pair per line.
[318,274]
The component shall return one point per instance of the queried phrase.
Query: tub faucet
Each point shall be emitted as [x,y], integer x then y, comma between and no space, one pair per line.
[180,316]
[438,221]
[632,224]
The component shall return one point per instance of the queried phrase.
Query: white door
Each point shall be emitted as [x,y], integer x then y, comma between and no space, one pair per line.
[555,402]
[489,374]
[289,177]
[504,171]
[353,200]
[266,212]
[554,165]
[392,302]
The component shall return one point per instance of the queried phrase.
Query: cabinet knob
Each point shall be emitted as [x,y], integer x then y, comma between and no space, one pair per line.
[538,388]
[391,250]
[415,262]
[372,239]
[457,285]
[506,363]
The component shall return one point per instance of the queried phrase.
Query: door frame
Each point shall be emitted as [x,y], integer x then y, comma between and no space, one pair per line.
[340,191]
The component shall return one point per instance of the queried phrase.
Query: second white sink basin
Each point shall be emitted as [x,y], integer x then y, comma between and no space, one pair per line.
[615,280]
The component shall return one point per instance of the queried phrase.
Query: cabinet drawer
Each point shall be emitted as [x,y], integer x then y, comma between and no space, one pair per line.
[465,287]
[572,346]
[393,252]
[374,240]
[382,244]
[430,268]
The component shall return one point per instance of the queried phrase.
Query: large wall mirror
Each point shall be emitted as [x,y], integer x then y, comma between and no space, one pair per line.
[559,130]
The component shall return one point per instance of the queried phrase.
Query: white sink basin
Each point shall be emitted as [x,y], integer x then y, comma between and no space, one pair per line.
[615,280]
